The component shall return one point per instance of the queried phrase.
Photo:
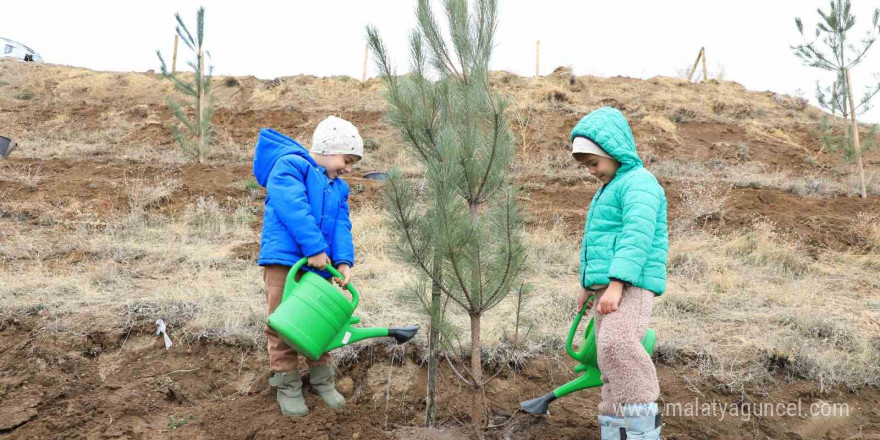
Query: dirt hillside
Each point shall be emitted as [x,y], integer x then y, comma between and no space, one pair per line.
[104,227]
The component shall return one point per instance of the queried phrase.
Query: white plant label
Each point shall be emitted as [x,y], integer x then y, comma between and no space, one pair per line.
[160,328]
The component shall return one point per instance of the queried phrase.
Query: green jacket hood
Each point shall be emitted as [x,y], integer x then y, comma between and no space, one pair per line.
[608,128]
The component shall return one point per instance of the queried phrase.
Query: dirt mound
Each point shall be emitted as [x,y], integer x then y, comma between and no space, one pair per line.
[122,384]
[71,112]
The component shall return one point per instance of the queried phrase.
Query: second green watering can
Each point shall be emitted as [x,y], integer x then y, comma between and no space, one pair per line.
[589,365]
[314,317]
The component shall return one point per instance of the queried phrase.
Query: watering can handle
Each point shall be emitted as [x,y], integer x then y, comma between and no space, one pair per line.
[355,297]
[574,327]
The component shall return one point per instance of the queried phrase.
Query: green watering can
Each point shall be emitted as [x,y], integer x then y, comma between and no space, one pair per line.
[589,366]
[314,317]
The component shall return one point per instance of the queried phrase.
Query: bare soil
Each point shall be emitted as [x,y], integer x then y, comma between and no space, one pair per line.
[122,384]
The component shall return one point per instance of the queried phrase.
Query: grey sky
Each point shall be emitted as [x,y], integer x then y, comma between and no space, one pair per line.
[747,39]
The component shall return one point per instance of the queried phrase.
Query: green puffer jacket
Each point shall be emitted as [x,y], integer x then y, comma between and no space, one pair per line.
[625,236]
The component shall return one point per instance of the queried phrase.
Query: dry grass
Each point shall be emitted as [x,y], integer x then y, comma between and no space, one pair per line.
[701,201]
[868,226]
[660,123]
[28,176]
[753,296]
[762,306]
[142,195]
[757,175]
[136,269]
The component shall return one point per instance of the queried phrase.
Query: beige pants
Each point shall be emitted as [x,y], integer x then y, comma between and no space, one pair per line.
[282,358]
[628,374]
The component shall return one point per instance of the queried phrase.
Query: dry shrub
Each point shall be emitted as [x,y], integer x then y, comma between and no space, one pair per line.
[556,95]
[743,111]
[701,201]
[867,229]
[660,123]
[529,125]
[682,114]
[26,175]
[208,220]
[142,196]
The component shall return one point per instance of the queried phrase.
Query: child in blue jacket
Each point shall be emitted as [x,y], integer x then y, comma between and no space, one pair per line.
[306,216]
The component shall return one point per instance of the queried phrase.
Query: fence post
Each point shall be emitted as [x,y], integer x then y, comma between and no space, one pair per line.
[538,59]
[696,62]
[705,71]
[366,48]
[174,57]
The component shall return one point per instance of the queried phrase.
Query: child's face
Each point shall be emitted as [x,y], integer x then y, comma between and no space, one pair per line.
[600,167]
[337,164]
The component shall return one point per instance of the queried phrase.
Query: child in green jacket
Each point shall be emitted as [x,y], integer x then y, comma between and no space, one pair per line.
[623,264]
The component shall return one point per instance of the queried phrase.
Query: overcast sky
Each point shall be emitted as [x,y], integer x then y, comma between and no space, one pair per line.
[747,40]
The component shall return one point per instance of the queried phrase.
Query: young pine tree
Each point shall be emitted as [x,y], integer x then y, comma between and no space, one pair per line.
[193,134]
[833,30]
[462,232]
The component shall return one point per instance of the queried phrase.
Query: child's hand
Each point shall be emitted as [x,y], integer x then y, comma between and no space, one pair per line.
[345,270]
[584,296]
[319,261]
[610,299]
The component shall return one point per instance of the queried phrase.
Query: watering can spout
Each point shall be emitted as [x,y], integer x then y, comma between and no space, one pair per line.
[403,334]
[538,405]
[350,335]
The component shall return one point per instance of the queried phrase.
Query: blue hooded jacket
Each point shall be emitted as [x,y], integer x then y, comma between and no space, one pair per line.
[306,213]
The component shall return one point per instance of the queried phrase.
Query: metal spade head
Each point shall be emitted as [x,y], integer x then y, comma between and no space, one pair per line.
[376,176]
[6,146]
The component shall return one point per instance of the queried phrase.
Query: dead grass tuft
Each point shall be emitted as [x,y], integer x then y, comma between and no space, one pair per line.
[660,123]
[143,195]
[701,201]
[28,176]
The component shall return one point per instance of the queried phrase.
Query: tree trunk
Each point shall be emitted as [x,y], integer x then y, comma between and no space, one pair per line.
[848,176]
[200,106]
[433,336]
[847,166]
[477,376]
[516,324]
[855,136]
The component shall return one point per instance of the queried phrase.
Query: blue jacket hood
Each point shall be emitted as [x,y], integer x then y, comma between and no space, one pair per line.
[271,146]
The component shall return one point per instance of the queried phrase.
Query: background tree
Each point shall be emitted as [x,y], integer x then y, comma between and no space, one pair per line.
[831,31]
[462,233]
[193,134]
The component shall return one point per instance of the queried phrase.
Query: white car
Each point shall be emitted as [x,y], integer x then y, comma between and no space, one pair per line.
[14,49]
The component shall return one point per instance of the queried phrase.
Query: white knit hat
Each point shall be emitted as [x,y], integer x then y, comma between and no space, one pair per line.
[337,136]
[581,144]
